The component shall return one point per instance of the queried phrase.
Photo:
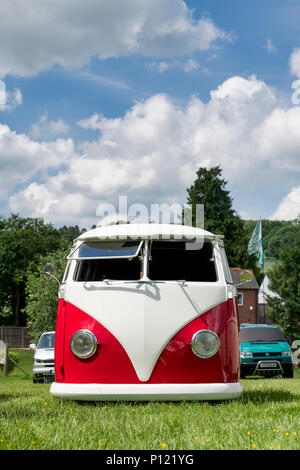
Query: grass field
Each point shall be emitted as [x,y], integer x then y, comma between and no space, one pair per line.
[266,417]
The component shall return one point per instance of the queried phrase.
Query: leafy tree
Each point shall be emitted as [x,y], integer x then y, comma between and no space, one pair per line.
[70,233]
[220,218]
[42,293]
[285,282]
[284,234]
[6,313]
[22,241]
[274,233]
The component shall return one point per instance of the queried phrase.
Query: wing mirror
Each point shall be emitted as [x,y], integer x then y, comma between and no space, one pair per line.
[49,270]
[245,278]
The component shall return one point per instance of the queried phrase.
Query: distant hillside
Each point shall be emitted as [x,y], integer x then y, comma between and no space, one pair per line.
[274,233]
[269,263]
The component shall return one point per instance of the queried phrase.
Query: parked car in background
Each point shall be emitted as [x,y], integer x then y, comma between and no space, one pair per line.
[264,351]
[43,359]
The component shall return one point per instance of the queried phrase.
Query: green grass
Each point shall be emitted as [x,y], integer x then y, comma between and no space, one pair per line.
[25,361]
[266,417]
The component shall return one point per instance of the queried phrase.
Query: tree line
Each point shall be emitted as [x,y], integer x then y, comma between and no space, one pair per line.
[276,233]
[23,244]
[27,244]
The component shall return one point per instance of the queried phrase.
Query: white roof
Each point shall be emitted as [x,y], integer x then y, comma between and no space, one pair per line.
[145,231]
[264,290]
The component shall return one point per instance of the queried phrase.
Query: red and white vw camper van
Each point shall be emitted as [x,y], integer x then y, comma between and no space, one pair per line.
[147,312]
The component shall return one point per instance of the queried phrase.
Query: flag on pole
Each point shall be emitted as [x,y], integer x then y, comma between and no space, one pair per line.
[255,244]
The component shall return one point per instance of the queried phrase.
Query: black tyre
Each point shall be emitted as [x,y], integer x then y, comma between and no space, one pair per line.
[288,371]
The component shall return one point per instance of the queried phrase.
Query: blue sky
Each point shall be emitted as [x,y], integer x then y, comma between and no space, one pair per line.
[130,98]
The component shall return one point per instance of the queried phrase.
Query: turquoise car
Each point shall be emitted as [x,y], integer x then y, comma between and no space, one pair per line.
[264,351]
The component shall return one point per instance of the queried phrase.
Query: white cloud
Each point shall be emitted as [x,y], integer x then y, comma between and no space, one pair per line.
[2,93]
[269,45]
[93,122]
[153,151]
[191,65]
[9,100]
[186,66]
[289,207]
[240,89]
[163,66]
[295,62]
[48,129]
[278,138]
[22,158]
[39,201]
[37,35]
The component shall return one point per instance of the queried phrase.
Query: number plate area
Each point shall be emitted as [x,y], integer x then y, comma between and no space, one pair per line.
[268,365]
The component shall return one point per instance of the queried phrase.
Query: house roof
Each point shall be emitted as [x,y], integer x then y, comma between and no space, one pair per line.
[235,273]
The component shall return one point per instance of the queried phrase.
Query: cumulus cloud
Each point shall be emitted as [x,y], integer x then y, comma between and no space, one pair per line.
[278,138]
[187,66]
[22,158]
[152,152]
[295,62]
[37,35]
[9,100]
[40,201]
[289,207]
[46,129]
[93,122]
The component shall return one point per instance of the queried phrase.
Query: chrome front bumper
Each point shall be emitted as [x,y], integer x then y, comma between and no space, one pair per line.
[147,392]
[43,369]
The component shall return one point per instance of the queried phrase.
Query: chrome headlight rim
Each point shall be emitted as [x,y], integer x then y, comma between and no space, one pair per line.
[94,343]
[286,353]
[193,344]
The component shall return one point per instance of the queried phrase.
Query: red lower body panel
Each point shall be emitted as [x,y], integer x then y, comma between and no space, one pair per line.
[176,364]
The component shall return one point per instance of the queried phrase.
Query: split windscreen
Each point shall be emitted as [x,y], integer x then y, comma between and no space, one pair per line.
[167,261]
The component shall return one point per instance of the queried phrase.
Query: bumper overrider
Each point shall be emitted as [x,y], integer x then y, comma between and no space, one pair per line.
[147,392]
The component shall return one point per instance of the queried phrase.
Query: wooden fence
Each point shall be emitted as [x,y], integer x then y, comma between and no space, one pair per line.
[15,336]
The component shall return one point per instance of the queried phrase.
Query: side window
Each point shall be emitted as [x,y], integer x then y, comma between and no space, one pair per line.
[225,265]
[240,298]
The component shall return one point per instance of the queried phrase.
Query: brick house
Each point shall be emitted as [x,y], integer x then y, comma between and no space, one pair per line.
[247,297]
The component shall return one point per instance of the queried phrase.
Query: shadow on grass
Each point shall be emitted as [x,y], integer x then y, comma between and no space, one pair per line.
[249,396]
[270,395]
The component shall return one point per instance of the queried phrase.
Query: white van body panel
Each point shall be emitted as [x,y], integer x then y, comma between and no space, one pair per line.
[144,317]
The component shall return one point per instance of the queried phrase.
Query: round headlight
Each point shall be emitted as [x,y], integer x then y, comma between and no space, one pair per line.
[286,353]
[205,344]
[83,344]
[245,354]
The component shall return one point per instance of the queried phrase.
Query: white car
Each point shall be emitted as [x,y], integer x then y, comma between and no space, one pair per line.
[43,359]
